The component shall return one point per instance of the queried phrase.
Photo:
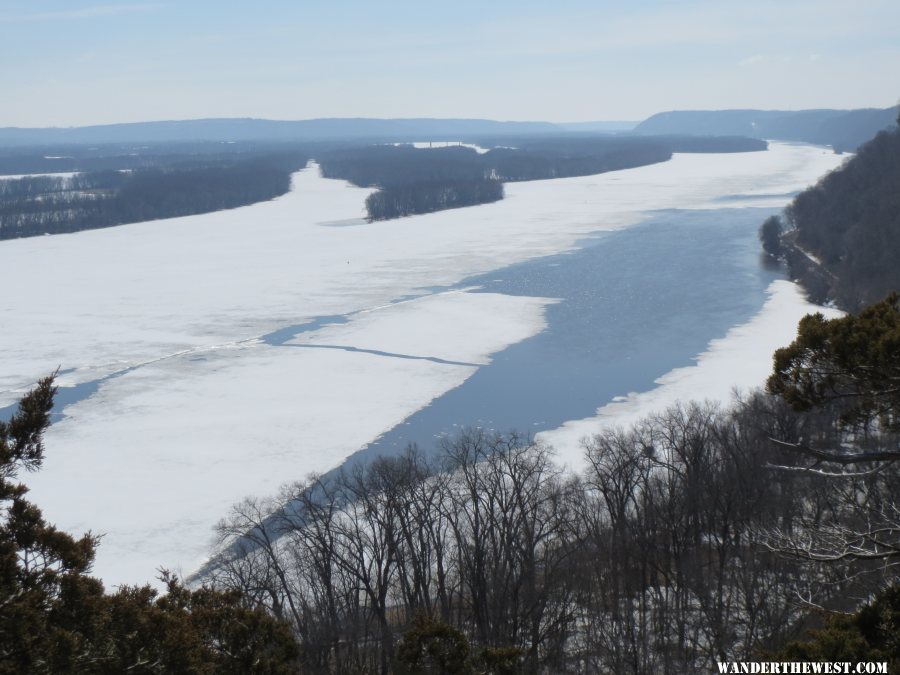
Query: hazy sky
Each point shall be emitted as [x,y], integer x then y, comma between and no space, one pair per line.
[74,62]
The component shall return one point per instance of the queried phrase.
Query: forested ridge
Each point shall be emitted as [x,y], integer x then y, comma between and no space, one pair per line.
[845,129]
[841,237]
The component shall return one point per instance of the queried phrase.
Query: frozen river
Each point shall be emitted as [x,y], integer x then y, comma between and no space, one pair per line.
[212,357]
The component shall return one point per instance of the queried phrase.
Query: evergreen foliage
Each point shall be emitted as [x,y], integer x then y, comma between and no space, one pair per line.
[55,618]
[853,360]
[870,634]
[770,235]
[433,646]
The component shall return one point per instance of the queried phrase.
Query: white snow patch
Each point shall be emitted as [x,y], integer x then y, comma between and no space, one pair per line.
[425,145]
[813,258]
[740,360]
[453,326]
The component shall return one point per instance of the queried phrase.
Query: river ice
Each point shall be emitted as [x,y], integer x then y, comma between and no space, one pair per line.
[197,410]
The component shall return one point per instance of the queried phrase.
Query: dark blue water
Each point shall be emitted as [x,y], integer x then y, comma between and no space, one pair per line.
[64,396]
[634,305]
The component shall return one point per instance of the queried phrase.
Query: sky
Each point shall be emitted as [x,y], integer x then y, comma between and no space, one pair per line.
[80,62]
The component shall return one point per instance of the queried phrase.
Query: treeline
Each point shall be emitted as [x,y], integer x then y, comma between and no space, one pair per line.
[841,238]
[412,180]
[90,158]
[42,204]
[406,200]
[678,547]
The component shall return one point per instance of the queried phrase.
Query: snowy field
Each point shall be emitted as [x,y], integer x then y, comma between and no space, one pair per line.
[198,411]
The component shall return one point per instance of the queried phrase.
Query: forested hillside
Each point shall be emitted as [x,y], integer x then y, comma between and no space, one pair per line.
[413,180]
[842,129]
[843,235]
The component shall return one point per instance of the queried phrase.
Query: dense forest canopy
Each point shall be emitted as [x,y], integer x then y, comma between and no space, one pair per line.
[842,238]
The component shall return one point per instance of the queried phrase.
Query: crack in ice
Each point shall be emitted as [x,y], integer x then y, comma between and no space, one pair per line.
[378,352]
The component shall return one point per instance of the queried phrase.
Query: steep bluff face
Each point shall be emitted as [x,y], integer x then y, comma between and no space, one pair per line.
[845,241]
